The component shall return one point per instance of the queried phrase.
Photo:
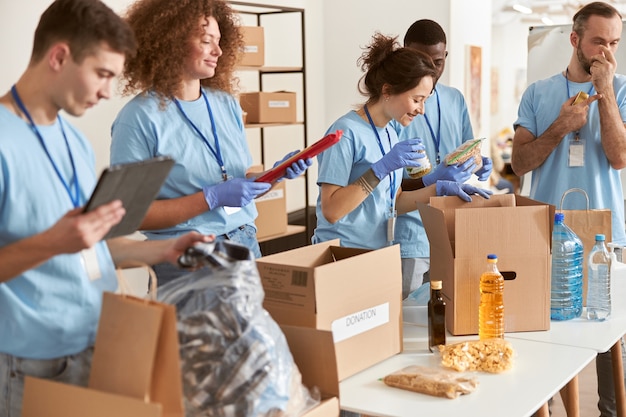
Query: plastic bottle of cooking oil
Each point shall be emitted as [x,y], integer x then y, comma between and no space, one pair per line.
[491,307]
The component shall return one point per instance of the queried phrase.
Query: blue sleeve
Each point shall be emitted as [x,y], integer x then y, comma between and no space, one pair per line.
[130,141]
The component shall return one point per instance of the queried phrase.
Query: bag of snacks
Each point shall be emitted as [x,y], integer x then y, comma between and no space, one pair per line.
[491,355]
[467,150]
[436,382]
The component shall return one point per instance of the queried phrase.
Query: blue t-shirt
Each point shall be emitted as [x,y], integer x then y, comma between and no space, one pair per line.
[441,140]
[142,130]
[51,310]
[540,106]
[342,164]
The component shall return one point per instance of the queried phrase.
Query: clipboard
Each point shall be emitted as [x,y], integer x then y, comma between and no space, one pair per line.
[308,152]
[136,184]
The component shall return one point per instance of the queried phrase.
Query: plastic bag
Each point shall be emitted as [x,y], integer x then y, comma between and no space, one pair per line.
[468,149]
[436,382]
[491,355]
[235,359]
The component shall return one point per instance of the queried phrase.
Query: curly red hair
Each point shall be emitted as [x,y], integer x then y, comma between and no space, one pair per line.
[163,29]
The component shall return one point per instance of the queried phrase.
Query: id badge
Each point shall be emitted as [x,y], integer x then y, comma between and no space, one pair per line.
[90,263]
[576,153]
[391,226]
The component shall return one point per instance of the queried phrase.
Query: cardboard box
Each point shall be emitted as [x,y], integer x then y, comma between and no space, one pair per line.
[461,235]
[355,293]
[266,107]
[254,46]
[272,208]
[313,352]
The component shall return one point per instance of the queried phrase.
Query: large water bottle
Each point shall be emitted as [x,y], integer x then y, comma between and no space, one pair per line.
[599,281]
[566,292]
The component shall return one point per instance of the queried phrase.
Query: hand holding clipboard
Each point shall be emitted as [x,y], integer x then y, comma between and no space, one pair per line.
[309,152]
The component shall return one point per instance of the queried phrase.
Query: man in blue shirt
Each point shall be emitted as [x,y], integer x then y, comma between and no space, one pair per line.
[583,145]
[55,265]
[445,126]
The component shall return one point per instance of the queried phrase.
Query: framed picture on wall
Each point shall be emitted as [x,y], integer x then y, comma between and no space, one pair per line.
[473,83]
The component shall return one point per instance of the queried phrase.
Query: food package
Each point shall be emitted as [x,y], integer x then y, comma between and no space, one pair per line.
[421,170]
[580,97]
[431,381]
[491,355]
[467,150]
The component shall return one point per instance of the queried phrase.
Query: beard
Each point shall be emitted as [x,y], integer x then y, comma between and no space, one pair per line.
[584,62]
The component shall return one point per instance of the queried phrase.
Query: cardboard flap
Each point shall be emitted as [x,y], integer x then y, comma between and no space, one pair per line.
[336,279]
[437,230]
[452,202]
[43,398]
[529,226]
[313,352]
[308,256]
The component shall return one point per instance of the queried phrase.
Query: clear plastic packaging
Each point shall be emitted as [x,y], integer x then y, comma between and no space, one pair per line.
[431,381]
[235,359]
[491,355]
[468,149]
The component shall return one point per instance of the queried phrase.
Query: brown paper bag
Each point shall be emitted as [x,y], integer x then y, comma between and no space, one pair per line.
[586,224]
[136,366]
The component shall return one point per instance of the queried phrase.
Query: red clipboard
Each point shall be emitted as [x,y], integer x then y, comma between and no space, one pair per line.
[308,152]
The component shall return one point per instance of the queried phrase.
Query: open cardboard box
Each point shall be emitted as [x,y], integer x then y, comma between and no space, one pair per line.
[355,293]
[461,235]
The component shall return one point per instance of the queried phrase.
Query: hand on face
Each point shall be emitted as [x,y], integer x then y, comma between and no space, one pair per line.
[603,67]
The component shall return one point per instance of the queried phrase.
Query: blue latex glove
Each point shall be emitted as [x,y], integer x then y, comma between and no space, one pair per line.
[403,154]
[296,169]
[485,171]
[463,191]
[237,192]
[457,173]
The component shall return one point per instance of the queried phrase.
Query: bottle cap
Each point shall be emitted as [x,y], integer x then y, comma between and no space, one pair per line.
[492,256]
[435,285]
[600,237]
[558,217]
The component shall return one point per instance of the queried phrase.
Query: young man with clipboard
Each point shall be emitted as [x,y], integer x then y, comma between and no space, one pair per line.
[55,265]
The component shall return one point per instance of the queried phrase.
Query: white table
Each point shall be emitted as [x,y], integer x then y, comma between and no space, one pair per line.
[599,336]
[540,371]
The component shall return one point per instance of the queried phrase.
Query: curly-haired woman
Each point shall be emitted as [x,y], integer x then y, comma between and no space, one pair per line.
[185,109]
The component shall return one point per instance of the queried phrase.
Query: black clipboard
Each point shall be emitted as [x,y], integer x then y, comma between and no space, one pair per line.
[136,184]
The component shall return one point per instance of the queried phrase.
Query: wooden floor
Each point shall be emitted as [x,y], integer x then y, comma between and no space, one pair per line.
[588,388]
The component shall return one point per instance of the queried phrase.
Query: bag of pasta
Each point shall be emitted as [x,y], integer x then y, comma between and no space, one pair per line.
[490,355]
[234,357]
[431,381]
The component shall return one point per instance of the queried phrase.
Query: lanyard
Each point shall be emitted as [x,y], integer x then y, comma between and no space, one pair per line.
[75,196]
[437,137]
[392,174]
[217,152]
[569,94]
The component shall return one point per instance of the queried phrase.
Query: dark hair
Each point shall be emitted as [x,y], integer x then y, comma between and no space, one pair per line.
[425,31]
[84,25]
[385,62]
[163,29]
[597,8]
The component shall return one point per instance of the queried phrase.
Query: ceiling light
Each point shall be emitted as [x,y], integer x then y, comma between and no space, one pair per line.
[522,9]
[546,20]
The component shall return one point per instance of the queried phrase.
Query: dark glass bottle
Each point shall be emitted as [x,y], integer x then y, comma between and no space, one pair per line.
[436,317]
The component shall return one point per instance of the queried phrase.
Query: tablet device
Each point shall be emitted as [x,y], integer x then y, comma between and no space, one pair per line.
[308,152]
[136,184]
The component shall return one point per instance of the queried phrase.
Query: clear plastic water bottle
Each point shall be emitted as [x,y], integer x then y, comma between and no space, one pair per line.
[566,292]
[599,281]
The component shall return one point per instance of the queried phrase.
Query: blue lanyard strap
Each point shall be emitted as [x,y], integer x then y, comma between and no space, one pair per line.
[437,137]
[569,94]
[392,174]
[217,152]
[75,196]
